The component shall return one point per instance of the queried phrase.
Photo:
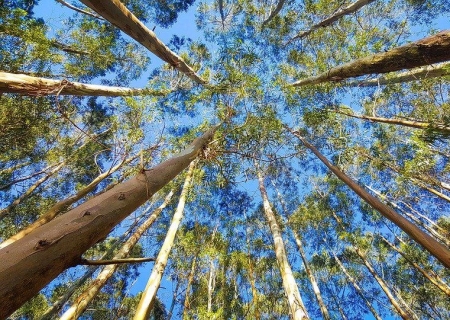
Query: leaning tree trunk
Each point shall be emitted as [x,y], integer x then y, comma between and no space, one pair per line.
[438,250]
[403,313]
[296,306]
[312,278]
[426,51]
[30,190]
[187,302]
[434,279]
[51,312]
[33,261]
[401,122]
[34,86]
[274,13]
[78,307]
[64,204]
[117,14]
[148,296]
[357,287]
[352,7]
[428,72]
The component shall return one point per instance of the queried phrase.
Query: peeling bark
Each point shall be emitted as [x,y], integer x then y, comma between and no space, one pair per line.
[117,14]
[426,51]
[33,261]
[35,86]
[435,248]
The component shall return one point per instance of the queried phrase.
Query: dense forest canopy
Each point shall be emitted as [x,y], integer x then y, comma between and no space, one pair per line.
[290,162]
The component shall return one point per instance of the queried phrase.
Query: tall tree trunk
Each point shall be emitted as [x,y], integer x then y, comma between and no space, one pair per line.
[274,13]
[357,287]
[33,261]
[426,51]
[402,122]
[428,72]
[352,7]
[64,204]
[438,250]
[296,306]
[434,279]
[255,294]
[51,312]
[148,296]
[211,281]
[78,307]
[414,218]
[34,86]
[30,190]
[117,14]
[312,278]
[403,313]
[187,303]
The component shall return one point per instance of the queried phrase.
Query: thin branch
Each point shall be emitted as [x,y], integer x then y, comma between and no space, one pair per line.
[114,261]
[68,5]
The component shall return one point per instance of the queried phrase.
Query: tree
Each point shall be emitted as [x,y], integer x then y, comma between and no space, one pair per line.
[77,141]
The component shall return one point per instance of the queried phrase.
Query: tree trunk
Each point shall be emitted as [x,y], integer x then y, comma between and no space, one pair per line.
[30,190]
[117,14]
[357,287]
[434,279]
[148,296]
[51,312]
[34,86]
[426,51]
[428,72]
[255,294]
[33,261]
[187,303]
[436,234]
[402,122]
[405,315]
[78,307]
[353,7]
[312,278]
[211,286]
[274,13]
[174,301]
[64,204]
[296,307]
[437,249]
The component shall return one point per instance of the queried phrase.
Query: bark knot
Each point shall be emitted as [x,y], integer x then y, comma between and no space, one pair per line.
[42,244]
[121,196]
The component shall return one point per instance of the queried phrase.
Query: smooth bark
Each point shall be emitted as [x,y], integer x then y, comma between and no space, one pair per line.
[428,72]
[353,7]
[148,296]
[51,312]
[33,261]
[295,302]
[438,250]
[117,14]
[426,51]
[64,204]
[35,86]
[78,307]
[312,278]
